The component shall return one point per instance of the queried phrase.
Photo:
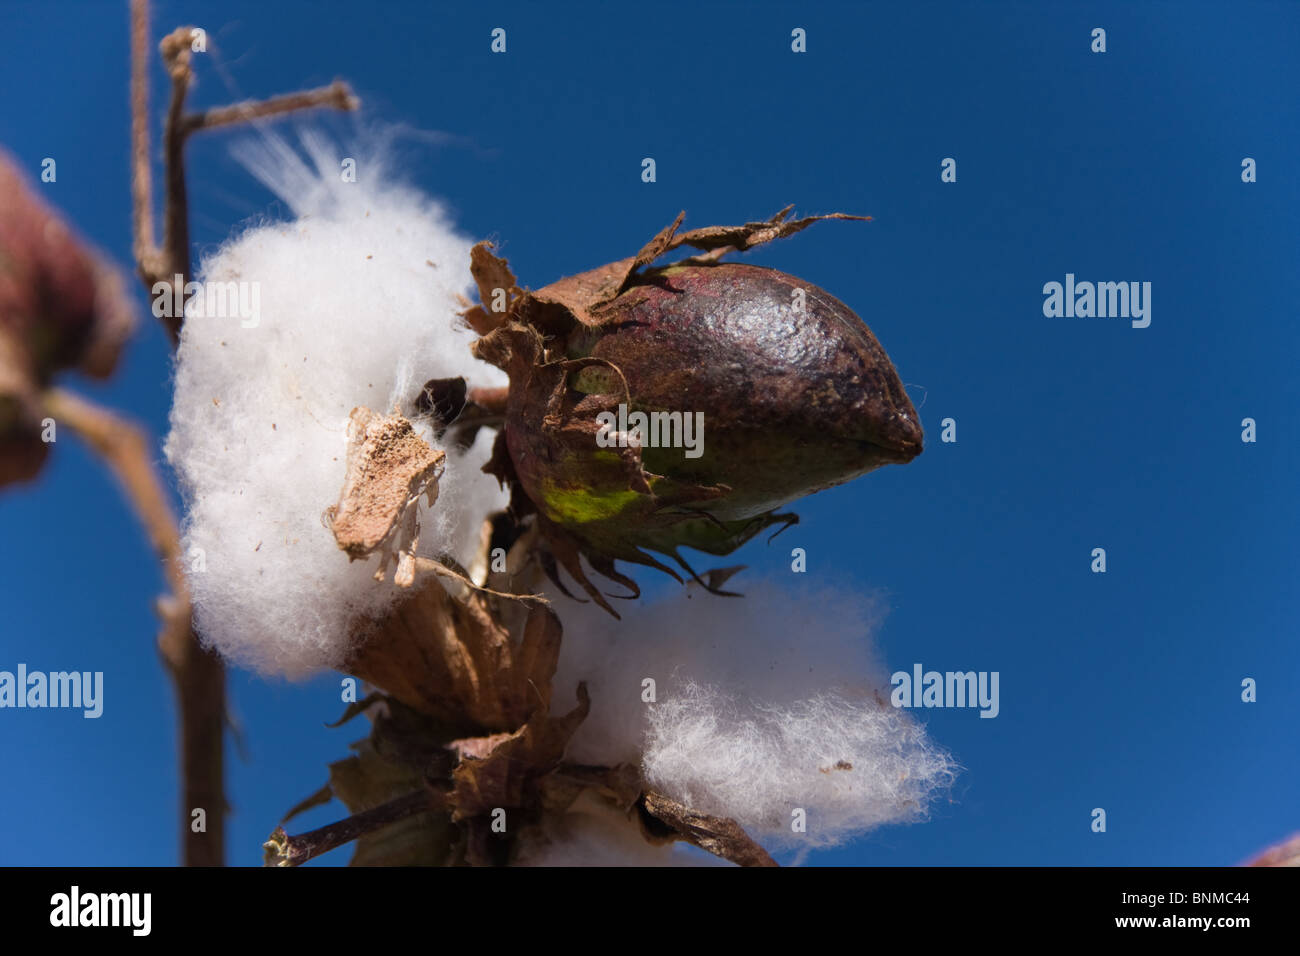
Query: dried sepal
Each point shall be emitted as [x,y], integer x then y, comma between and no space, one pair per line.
[502,770]
[584,295]
[453,659]
[665,818]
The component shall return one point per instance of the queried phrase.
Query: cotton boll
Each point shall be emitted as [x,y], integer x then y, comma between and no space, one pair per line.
[356,303]
[763,704]
[777,642]
[850,764]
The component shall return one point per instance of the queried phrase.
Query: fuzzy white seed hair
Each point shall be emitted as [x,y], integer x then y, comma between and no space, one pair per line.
[762,705]
[357,305]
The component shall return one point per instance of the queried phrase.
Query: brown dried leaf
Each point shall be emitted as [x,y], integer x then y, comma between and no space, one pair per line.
[357,707]
[419,840]
[367,782]
[491,273]
[660,244]
[370,780]
[504,770]
[752,234]
[453,660]
[318,799]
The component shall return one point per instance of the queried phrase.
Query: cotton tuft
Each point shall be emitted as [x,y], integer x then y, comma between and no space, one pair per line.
[357,305]
[763,705]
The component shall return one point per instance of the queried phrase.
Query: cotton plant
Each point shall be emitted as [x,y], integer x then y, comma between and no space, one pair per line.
[385,477]
[400,463]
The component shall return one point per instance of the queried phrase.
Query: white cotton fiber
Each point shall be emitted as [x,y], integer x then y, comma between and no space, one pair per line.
[763,705]
[356,305]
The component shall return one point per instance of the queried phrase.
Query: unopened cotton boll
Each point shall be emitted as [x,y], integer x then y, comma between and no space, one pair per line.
[356,305]
[761,705]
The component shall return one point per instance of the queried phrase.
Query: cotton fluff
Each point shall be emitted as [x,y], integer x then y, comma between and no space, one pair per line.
[358,296]
[763,704]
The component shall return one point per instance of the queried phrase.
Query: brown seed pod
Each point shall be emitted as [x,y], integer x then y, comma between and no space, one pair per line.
[766,388]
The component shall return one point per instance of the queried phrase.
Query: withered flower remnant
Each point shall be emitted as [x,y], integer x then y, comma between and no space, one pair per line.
[797,396]
[61,306]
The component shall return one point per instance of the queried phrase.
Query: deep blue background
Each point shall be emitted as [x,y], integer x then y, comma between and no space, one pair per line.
[1118,691]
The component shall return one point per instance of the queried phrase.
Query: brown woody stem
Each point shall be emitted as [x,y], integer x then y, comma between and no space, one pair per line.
[337,95]
[198,675]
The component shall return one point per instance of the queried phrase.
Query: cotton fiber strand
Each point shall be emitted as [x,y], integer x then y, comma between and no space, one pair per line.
[763,704]
[357,302]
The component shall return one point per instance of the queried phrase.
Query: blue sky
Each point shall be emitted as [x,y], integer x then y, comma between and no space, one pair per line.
[1118,690]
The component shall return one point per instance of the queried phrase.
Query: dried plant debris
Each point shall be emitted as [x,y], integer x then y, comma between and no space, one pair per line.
[62,306]
[389,468]
[754,389]
[466,755]
[721,836]
[453,659]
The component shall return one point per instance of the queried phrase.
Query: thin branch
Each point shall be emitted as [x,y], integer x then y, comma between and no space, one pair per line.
[146,250]
[337,95]
[125,449]
[284,850]
[175,50]
[173,259]
[197,674]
